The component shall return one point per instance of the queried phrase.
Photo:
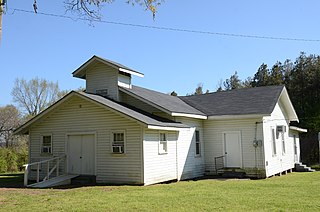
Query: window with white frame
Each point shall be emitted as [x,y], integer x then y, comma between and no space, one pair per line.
[273,142]
[283,143]
[198,147]
[46,144]
[118,142]
[163,143]
[295,144]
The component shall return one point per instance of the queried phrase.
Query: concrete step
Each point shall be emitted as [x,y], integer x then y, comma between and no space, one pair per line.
[299,167]
[57,181]
[84,180]
[231,174]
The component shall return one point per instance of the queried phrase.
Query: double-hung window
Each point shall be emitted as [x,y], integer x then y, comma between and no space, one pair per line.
[198,147]
[283,143]
[118,142]
[163,143]
[46,144]
[273,142]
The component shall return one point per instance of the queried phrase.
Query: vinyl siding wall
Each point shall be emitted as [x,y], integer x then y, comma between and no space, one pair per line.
[102,77]
[281,161]
[190,165]
[77,116]
[214,145]
[159,167]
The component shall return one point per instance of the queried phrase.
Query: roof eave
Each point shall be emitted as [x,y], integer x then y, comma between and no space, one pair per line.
[167,128]
[298,129]
[81,71]
[23,129]
[237,116]
[291,111]
[188,115]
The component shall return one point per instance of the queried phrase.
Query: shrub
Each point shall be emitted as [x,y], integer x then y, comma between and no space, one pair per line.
[12,160]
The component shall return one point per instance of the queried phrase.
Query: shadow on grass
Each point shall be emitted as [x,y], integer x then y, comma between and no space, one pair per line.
[15,180]
[12,180]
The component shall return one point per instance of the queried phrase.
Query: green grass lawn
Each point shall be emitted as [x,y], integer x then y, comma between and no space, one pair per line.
[292,192]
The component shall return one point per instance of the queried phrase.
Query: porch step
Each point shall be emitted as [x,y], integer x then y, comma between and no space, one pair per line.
[300,167]
[57,181]
[232,173]
[84,180]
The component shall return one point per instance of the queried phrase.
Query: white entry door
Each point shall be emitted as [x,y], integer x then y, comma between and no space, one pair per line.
[81,154]
[232,148]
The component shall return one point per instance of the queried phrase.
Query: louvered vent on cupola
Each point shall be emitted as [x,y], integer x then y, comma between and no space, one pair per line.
[102,92]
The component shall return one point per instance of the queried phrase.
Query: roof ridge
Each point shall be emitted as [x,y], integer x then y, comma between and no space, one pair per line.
[234,90]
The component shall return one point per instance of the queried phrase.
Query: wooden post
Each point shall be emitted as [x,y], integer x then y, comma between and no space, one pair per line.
[26,173]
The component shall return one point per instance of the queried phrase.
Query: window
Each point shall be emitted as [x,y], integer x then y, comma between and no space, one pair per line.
[163,143]
[295,144]
[46,144]
[118,142]
[273,142]
[198,149]
[283,143]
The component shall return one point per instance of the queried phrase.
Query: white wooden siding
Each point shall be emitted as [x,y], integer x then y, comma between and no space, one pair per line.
[190,165]
[124,81]
[100,77]
[159,167]
[78,115]
[281,161]
[213,141]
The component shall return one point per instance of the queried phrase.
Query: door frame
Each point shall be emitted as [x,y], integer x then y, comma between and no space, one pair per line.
[224,146]
[94,133]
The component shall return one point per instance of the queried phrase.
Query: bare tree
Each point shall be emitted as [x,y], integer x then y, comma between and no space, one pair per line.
[35,95]
[91,8]
[9,120]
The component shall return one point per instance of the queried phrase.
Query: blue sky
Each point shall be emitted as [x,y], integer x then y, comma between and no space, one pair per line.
[47,47]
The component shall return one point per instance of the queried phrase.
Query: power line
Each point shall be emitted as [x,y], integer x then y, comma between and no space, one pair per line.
[169,28]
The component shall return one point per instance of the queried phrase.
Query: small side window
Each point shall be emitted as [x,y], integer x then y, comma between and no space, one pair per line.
[283,143]
[273,142]
[46,144]
[163,143]
[198,145]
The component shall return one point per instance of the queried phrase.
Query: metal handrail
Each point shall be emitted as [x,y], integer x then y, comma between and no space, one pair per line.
[216,163]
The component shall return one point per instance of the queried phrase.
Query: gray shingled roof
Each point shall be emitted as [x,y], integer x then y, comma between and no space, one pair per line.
[145,118]
[118,65]
[167,102]
[260,100]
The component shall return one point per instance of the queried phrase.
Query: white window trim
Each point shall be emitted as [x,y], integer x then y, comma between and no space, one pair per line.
[195,143]
[283,143]
[273,142]
[41,145]
[161,152]
[124,141]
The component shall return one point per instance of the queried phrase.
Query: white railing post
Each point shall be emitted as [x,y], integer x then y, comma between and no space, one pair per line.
[26,173]
[58,163]
[38,173]
[48,169]
[48,172]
